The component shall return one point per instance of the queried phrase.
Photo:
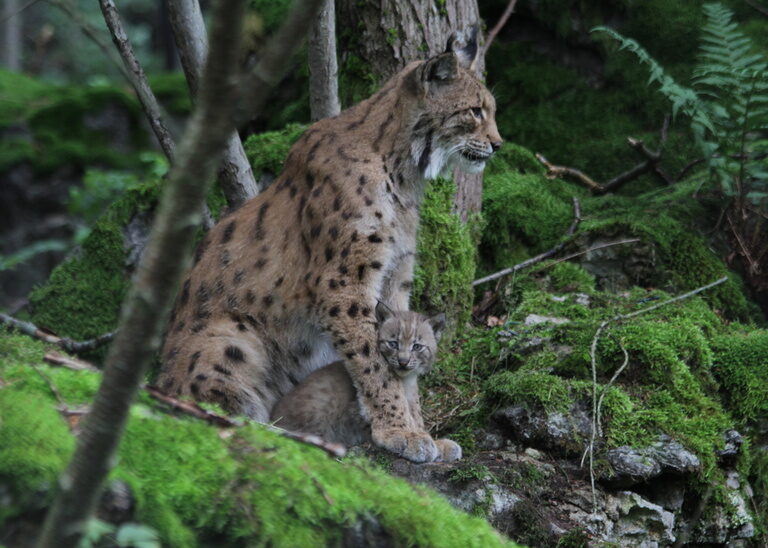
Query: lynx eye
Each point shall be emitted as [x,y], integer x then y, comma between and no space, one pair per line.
[417,347]
[393,344]
[477,112]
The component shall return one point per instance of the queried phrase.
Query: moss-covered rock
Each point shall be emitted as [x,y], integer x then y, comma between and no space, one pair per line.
[82,297]
[195,484]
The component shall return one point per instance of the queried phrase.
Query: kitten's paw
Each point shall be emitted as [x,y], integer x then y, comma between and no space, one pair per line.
[448,451]
[414,446]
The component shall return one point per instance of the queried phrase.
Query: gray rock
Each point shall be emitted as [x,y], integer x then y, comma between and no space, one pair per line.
[631,465]
[535,319]
[553,431]
[638,522]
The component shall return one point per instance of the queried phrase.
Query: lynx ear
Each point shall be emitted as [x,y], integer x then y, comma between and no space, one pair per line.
[383,312]
[467,54]
[437,323]
[441,69]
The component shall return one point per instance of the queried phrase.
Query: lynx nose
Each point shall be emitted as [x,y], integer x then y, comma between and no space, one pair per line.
[402,362]
[496,145]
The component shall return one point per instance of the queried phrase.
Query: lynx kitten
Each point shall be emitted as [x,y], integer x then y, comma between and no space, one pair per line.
[326,402]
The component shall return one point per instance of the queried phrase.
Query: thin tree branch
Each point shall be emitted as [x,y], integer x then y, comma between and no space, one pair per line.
[88,29]
[54,358]
[579,176]
[538,258]
[66,343]
[235,173]
[137,77]
[500,23]
[757,7]
[590,250]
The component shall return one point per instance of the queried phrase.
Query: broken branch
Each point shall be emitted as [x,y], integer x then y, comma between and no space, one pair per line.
[554,171]
[66,343]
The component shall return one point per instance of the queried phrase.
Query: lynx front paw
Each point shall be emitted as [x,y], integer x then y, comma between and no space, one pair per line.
[414,446]
[448,451]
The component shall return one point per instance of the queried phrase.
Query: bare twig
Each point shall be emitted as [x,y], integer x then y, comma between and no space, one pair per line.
[54,358]
[51,386]
[590,250]
[597,402]
[757,7]
[66,343]
[137,77]
[500,24]
[88,29]
[579,176]
[333,449]
[190,408]
[538,258]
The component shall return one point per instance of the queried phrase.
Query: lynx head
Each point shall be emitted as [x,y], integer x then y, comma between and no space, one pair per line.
[454,124]
[407,340]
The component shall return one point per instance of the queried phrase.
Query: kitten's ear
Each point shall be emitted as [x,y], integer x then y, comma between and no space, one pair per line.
[437,323]
[383,312]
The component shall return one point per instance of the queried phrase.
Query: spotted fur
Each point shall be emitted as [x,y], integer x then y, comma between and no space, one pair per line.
[288,282]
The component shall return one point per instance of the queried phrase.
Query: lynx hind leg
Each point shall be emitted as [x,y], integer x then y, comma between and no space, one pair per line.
[448,451]
[228,371]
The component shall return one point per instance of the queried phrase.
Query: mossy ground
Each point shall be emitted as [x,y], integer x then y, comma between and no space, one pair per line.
[195,484]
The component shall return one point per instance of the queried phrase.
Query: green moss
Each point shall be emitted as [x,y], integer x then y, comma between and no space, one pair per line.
[82,297]
[445,257]
[571,277]
[267,151]
[741,366]
[34,447]
[198,485]
[528,386]
[525,214]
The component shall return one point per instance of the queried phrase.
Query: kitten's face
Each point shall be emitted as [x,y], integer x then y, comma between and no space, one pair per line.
[408,340]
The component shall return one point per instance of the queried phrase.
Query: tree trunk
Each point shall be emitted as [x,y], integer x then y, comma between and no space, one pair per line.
[12,35]
[391,33]
[235,173]
[323,68]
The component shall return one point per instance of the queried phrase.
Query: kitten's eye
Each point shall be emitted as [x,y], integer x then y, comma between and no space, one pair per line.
[417,347]
[393,344]
[477,112]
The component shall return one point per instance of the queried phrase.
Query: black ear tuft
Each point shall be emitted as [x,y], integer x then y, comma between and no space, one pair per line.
[383,312]
[468,54]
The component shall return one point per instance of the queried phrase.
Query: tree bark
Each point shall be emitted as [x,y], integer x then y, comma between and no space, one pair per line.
[12,35]
[391,33]
[323,68]
[235,173]
[167,256]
